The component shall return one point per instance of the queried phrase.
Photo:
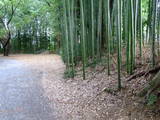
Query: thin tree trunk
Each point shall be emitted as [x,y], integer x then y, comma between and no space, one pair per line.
[6,49]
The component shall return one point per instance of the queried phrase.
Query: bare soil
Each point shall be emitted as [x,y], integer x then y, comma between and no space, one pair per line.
[92,99]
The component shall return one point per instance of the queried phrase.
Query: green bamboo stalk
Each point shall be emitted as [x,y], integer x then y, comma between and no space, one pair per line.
[71,31]
[158,32]
[135,29]
[93,28]
[154,32]
[108,35]
[132,37]
[141,29]
[66,33]
[99,31]
[83,37]
[119,42]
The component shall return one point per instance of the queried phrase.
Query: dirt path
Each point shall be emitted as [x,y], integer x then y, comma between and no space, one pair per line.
[21,94]
[40,85]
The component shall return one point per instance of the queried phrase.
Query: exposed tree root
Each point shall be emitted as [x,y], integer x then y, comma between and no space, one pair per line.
[144,73]
[151,86]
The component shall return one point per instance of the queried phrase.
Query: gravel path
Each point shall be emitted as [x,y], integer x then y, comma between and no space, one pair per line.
[21,94]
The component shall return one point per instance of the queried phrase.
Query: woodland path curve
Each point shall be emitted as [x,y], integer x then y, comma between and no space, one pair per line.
[32,87]
[21,94]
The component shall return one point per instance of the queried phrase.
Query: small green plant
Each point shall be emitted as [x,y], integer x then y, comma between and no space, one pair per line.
[151,99]
[69,73]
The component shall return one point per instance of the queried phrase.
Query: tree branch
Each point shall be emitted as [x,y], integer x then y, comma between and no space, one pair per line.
[1,21]
[48,3]
[13,12]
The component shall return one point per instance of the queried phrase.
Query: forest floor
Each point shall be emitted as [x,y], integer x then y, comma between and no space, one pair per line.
[92,99]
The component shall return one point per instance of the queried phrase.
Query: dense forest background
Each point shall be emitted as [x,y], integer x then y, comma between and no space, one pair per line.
[33,25]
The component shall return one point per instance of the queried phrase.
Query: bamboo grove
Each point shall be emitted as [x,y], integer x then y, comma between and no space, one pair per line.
[92,29]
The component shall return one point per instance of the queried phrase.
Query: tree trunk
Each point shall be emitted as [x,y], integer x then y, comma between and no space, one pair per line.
[5,52]
[6,49]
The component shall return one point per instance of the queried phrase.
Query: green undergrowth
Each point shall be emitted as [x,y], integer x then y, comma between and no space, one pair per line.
[69,73]
[152,99]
